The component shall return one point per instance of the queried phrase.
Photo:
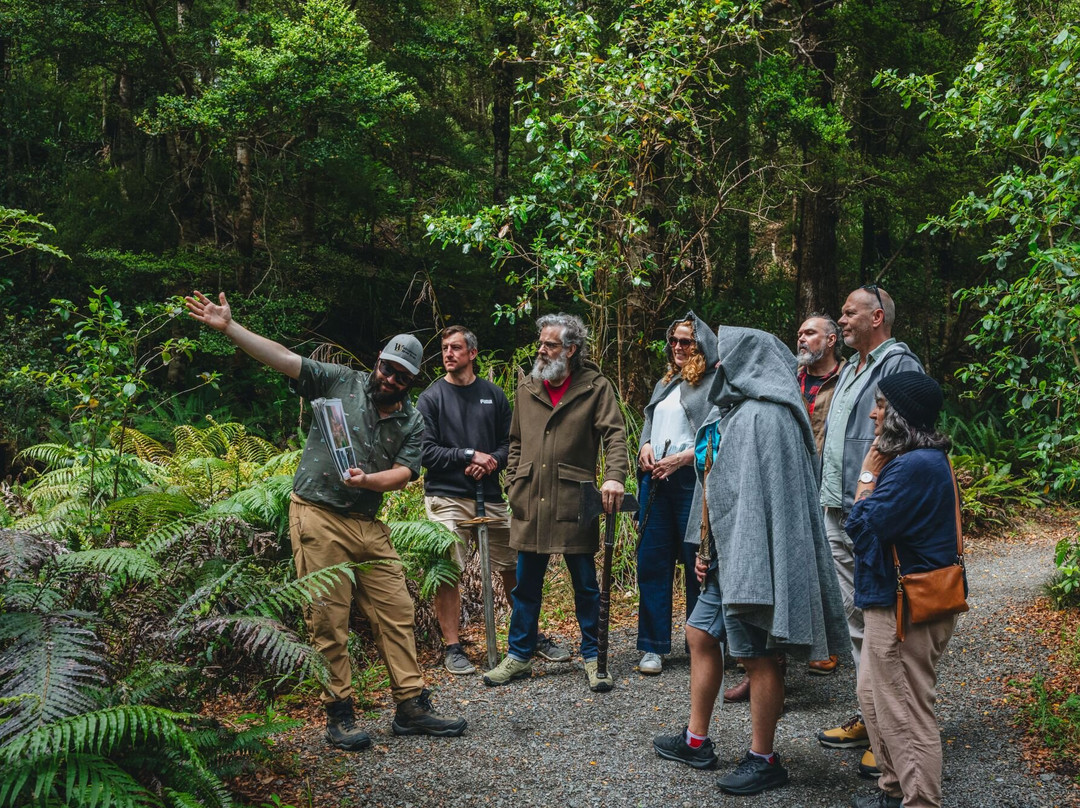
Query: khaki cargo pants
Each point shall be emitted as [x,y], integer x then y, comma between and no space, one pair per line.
[322,538]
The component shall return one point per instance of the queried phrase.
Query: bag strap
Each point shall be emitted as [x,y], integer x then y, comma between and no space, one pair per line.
[705,545]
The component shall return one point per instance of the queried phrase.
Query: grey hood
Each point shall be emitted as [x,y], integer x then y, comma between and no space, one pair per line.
[757,365]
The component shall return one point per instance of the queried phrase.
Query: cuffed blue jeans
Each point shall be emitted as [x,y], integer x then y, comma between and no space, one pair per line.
[525,620]
[661,548]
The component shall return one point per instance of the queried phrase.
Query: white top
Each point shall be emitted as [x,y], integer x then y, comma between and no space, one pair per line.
[669,422]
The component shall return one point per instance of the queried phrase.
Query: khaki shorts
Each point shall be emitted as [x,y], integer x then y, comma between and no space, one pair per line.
[449,511]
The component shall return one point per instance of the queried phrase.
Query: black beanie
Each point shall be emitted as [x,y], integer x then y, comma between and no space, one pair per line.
[915,396]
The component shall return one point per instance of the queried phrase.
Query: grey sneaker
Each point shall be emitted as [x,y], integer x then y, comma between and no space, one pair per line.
[753,775]
[596,683]
[456,661]
[341,729]
[547,648]
[651,664]
[507,671]
[416,716]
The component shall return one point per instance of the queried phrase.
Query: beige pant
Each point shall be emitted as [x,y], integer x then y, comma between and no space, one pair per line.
[322,538]
[450,511]
[897,690]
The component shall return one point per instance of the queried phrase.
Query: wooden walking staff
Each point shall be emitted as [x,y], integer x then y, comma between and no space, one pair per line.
[481,522]
[592,506]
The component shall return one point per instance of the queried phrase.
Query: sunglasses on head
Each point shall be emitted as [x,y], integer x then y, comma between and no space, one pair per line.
[682,342]
[873,287]
[387,371]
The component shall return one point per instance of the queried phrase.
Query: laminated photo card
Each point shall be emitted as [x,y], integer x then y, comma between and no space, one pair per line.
[331,417]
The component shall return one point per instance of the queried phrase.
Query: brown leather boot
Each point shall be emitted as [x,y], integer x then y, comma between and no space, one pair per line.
[740,692]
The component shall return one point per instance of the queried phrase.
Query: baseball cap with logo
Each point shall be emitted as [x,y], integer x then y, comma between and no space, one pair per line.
[405,349]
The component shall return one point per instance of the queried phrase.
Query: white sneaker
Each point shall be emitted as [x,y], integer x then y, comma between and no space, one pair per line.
[651,664]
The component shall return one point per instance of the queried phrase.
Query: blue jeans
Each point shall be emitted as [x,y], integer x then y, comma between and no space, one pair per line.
[525,619]
[662,547]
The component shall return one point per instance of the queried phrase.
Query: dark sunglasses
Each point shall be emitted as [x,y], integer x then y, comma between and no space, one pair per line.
[873,287]
[682,342]
[388,372]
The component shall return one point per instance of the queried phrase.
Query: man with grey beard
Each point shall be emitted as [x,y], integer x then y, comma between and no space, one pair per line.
[820,363]
[565,413]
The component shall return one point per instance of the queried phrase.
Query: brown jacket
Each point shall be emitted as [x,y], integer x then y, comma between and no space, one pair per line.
[552,449]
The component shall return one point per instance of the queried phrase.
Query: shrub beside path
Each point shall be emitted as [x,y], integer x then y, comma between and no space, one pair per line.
[549,741]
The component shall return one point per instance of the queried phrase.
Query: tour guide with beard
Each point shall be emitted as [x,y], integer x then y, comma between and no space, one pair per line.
[333,521]
[559,424]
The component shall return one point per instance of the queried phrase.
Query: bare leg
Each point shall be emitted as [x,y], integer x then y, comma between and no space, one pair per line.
[766,700]
[448,612]
[706,675]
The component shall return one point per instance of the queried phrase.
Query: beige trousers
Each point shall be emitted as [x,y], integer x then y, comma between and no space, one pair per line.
[897,690]
[322,538]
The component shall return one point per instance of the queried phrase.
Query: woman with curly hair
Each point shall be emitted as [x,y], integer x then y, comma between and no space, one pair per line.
[677,408]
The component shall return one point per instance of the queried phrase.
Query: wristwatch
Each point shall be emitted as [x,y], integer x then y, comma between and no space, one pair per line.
[469,455]
[867,477]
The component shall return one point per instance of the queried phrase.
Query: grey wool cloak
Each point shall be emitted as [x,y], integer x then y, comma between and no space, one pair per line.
[773,560]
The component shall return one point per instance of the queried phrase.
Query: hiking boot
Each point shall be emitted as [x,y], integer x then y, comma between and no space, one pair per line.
[868,767]
[740,692]
[651,664]
[341,729]
[753,775]
[879,799]
[507,671]
[849,735]
[548,648]
[823,667]
[416,716]
[598,684]
[675,747]
[455,660]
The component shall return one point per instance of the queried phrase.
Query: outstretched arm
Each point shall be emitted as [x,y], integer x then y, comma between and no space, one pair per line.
[218,316]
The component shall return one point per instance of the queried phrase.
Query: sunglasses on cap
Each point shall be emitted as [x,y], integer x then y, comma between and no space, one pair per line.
[387,371]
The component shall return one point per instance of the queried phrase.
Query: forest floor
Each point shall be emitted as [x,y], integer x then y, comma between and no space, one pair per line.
[548,740]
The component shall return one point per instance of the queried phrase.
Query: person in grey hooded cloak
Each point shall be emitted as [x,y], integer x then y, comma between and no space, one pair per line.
[769,583]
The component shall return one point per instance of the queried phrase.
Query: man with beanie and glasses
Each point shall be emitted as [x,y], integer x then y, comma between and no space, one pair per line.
[334,521]
[866,325]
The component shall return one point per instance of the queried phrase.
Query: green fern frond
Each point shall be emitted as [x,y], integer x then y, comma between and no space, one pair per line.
[205,598]
[150,680]
[283,463]
[265,503]
[253,449]
[125,563]
[162,541]
[262,638]
[33,596]
[299,592]
[52,455]
[424,547]
[150,510]
[55,660]
[87,780]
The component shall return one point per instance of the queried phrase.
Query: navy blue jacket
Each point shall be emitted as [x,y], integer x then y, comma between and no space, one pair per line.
[913,506]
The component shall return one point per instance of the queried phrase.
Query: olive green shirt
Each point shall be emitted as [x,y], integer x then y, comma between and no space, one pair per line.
[378,441]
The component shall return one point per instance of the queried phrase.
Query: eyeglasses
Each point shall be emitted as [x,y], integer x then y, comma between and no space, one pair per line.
[549,344]
[388,371]
[682,342]
[873,287]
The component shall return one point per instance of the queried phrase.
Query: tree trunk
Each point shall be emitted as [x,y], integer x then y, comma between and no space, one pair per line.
[245,213]
[502,96]
[818,284]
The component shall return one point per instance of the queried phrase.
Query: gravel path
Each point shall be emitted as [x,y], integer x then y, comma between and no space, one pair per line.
[550,741]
